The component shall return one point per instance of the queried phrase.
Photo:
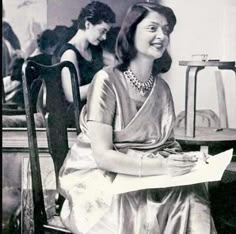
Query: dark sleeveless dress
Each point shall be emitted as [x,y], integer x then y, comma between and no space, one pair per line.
[87,70]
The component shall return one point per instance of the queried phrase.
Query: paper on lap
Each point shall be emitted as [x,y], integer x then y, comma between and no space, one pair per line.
[201,173]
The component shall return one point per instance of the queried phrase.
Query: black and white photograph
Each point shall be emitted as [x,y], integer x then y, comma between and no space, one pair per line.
[119,116]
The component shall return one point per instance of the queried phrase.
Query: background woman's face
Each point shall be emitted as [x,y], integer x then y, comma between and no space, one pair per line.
[97,32]
[152,35]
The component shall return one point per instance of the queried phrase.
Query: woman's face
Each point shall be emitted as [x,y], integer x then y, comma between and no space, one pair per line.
[152,36]
[96,32]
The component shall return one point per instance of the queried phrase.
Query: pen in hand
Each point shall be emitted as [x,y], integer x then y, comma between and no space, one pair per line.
[166,152]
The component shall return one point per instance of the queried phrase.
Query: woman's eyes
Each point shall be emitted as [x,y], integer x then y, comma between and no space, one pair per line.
[153,28]
[103,31]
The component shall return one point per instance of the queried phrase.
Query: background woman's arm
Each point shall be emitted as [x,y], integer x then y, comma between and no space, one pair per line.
[70,55]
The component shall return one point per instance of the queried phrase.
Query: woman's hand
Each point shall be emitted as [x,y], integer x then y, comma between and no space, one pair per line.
[179,164]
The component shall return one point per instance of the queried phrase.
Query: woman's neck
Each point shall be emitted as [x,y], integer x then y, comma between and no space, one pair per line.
[142,68]
[80,41]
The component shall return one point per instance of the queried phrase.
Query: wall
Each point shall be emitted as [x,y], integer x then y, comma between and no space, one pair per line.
[28,18]
[204,26]
[209,27]
[67,10]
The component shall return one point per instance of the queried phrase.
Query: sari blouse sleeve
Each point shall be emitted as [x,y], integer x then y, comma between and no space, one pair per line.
[101,99]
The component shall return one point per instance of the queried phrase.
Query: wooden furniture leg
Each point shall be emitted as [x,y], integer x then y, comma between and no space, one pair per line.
[190,99]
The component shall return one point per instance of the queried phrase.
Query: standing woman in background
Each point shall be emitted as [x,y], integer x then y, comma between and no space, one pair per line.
[127,125]
[83,49]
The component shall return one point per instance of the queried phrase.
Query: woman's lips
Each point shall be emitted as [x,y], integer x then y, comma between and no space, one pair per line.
[157,45]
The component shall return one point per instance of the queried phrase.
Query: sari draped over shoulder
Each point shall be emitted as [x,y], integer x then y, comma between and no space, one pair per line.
[90,206]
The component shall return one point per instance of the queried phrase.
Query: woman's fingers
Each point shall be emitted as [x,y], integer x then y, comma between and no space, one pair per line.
[179,171]
[182,165]
[183,157]
[181,160]
[179,164]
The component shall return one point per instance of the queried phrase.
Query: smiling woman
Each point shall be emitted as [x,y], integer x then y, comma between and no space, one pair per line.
[127,121]
[153,34]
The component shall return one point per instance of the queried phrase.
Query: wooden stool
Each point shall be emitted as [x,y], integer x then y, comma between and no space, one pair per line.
[193,67]
[209,140]
[203,137]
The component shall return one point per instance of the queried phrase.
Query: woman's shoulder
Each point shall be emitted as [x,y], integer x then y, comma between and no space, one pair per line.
[161,81]
[102,84]
[66,47]
[105,75]
[163,85]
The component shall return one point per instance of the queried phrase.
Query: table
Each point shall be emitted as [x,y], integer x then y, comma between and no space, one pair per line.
[193,67]
[208,138]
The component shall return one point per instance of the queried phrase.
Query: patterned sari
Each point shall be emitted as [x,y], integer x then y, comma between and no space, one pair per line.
[90,206]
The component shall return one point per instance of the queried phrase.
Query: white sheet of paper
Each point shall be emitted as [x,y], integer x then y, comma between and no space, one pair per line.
[201,173]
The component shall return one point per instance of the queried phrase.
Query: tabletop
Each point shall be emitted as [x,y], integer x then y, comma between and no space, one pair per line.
[209,63]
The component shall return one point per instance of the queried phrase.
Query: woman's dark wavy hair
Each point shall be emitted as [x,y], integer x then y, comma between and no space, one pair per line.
[96,12]
[47,39]
[125,49]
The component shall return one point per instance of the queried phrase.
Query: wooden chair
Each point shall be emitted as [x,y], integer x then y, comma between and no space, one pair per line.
[54,114]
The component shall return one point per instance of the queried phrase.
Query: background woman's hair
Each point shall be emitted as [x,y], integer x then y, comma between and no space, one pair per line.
[47,39]
[96,12]
[125,49]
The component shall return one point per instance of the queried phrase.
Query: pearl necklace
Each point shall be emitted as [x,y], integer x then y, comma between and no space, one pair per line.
[142,87]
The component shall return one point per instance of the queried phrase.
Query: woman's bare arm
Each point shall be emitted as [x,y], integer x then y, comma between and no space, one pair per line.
[70,55]
[109,159]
